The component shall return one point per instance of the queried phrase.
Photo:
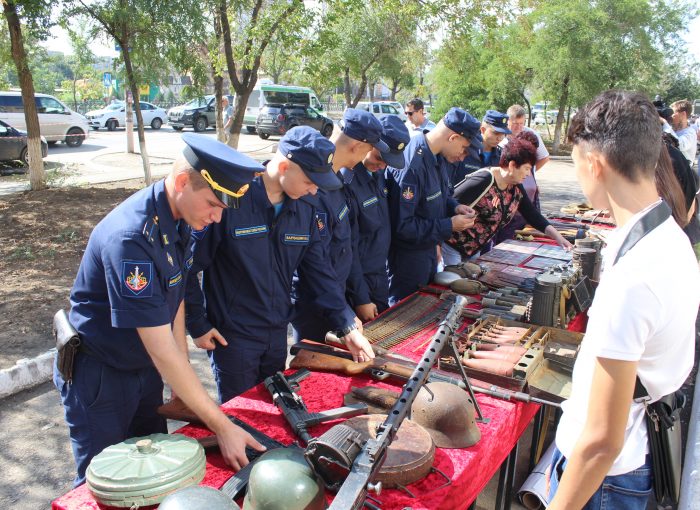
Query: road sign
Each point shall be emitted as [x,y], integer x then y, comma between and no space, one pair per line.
[107,79]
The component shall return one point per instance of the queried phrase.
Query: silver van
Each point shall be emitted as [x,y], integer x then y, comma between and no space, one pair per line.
[57,122]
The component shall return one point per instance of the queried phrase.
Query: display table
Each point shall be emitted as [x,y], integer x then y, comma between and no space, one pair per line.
[469,469]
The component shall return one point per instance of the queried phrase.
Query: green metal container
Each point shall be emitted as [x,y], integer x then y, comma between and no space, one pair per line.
[142,471]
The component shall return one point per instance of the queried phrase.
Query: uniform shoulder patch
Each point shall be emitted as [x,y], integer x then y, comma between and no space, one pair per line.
[343,211]
[137,278]
[322,223]
[408,192]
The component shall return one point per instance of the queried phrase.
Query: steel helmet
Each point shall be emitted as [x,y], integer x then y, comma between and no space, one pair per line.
[282,480]
[447,412]
[197,497]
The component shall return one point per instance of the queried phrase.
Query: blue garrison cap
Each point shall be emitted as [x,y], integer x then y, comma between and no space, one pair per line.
[227,171]
[313,152]
[395,135]
[461,122]
[498,121]
[363,126]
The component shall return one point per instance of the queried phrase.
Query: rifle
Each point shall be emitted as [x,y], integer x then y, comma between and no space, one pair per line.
[369,460]
[176,409]
[322,358]
[283,391]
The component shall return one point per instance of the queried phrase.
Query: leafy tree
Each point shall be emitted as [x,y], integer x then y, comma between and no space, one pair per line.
[256,23]
[143,30]
[681,82]
[80,63]
[579,48]
[37,19]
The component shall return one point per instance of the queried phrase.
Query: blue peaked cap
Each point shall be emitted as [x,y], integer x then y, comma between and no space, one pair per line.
[313,152]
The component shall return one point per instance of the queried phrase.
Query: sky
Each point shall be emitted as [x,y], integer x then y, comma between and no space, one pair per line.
[60,42]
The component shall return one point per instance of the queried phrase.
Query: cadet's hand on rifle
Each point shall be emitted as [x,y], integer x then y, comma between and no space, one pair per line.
[208,340]
[359,346]
[232,442]
[366,312]
[461,222]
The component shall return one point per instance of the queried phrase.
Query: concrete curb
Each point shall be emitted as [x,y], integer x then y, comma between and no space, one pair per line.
[27,373]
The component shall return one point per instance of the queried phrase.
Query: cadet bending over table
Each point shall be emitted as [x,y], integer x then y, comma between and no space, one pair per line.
[248,261]
[127,306]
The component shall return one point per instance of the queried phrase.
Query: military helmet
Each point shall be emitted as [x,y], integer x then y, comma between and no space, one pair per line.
[282,480]
[197,497]
[447,412]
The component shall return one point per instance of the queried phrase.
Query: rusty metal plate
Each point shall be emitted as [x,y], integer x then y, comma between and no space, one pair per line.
[409,457]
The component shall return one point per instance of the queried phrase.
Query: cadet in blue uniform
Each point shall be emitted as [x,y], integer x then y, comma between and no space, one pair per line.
[494,127]
[366,191]
[127,306]
[248,261]
[422,212]
[360,132]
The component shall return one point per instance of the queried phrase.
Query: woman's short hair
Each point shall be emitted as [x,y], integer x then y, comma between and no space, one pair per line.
[520,151]
[530,137]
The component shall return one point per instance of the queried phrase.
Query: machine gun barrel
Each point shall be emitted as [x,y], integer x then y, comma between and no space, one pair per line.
[369,461]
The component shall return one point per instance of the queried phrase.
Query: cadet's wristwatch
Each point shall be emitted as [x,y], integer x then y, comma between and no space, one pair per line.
[346,330]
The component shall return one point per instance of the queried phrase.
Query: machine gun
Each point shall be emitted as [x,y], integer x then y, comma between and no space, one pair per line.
[284,395]
[323,358]
[368,461]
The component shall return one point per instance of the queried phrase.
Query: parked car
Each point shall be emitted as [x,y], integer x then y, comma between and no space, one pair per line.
[270,93]
[114,115]
[57,122]
[277,119]
[379,108]
[198,113]
[13,144]
[542,118]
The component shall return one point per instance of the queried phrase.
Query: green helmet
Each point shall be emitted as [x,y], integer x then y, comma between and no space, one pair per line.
[282,480]
[197,497]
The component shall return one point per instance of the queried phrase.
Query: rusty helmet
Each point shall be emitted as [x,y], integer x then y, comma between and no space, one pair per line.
[446,411]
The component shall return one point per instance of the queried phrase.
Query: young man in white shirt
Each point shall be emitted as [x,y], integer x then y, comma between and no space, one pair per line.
[417,121]
[687,136]
[642,321]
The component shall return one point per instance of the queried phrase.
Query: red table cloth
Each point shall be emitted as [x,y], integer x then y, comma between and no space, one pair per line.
[470,469]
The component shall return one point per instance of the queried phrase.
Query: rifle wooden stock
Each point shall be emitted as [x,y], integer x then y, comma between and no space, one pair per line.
[319,362]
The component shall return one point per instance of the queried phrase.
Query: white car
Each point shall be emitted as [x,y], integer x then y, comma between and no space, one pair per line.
[114,116]
[380,108]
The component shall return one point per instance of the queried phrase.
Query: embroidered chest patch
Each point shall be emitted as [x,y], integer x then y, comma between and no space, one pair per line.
[249,231]
[370,201]
[435,195]
[296,238]
[343,212]
[137,278]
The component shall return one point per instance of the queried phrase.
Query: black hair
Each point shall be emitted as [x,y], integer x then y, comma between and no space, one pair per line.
[623,126]
[416,103]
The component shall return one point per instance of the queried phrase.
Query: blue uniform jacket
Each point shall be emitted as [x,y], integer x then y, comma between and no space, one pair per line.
[371,231]
[132,275]
[419,199]
[248,261]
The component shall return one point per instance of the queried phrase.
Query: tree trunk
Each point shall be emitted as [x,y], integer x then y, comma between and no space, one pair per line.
[219,94]
[360,90]
[529,107]
[395,89]
[37,176]
[371,92]
[563,99]
[133,86]
[348,88]
[239,106]
[75,94]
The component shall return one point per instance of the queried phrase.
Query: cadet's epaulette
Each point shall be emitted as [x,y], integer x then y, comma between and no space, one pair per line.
[151,229]
[348,174]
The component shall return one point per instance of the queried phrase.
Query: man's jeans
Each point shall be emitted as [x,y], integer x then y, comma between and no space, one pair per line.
[629,491]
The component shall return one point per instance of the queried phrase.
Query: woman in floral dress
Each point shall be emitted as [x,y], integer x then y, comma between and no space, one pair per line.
[496,194]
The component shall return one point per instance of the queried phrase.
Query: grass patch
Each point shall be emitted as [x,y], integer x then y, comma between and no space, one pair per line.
[22,253]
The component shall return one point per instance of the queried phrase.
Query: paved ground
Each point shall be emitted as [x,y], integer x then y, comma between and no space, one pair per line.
[34,449]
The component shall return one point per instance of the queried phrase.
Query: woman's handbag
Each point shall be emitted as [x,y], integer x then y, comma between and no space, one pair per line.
[665,442]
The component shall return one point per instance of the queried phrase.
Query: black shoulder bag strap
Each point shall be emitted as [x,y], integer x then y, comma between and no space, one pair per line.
[664,438]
